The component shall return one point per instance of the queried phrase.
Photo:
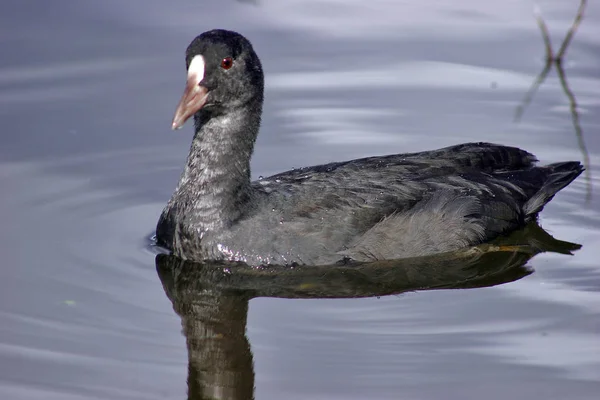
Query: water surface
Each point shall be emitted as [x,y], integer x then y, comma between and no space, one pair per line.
[87,161]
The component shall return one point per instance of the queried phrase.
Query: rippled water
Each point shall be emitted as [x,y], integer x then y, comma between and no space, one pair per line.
[87,161]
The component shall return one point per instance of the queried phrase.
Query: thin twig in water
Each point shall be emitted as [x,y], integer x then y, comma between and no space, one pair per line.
[571,32]
[533,90]
[542,75]
[578,131]
[557,60]
[545,35]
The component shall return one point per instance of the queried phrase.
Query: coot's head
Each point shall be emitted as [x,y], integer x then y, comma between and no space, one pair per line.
[224,74]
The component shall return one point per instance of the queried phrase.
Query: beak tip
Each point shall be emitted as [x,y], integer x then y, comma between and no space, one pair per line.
[193,99]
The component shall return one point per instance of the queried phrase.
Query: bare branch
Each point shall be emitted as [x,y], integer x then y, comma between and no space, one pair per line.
[572,30]
[578,130]
[557,60]
[533,90]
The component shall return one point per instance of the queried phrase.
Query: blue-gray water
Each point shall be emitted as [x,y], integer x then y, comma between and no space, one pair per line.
[87,161]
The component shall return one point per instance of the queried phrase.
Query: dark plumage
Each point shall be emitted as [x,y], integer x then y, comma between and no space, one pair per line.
[387,207]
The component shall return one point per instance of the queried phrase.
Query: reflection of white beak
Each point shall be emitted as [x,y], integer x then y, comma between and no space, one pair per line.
[194,95]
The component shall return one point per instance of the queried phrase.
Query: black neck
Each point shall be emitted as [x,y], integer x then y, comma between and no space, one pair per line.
[215,183]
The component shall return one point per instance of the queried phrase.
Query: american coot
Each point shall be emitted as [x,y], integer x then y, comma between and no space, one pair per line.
[386,207]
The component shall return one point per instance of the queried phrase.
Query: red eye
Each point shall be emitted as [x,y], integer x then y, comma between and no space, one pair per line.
[226,63]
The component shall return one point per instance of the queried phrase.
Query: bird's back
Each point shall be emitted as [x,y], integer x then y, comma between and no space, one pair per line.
[392,206]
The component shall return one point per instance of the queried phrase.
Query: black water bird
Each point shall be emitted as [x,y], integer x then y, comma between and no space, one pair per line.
[385,207]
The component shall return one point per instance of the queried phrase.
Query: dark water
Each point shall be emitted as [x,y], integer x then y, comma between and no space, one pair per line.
[87,161]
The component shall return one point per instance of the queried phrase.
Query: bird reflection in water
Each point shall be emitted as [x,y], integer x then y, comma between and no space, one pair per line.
[212,298]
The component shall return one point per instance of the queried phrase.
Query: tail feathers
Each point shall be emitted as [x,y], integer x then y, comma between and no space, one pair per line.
[561,174]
